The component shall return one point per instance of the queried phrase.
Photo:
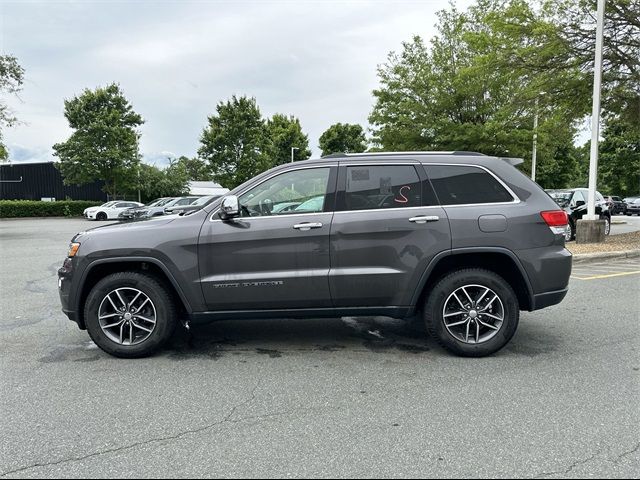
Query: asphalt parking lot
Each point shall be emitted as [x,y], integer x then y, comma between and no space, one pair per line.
[347,397]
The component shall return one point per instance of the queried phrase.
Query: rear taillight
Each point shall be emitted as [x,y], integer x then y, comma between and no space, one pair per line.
[556,219]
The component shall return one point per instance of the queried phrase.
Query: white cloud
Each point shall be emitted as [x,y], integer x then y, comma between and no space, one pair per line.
[176,60]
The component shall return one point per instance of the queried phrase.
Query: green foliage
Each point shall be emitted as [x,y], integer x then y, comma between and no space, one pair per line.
[284,133]
[170,182]
[343,138]
[472,89]
[104,144]
[196,168]
[11,80]
[619,157]
[235,142]
[33,208]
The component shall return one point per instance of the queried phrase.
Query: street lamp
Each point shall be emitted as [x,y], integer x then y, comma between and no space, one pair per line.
[590,229]
[535,139]
[293,149]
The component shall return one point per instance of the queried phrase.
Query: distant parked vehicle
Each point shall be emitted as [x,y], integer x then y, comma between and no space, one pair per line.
[616,205]
[156,205]
[109,211]
[195,206]
[633,207]
[178,202]
[574,202]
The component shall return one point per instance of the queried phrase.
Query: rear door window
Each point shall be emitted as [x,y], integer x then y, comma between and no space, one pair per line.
[463,185]
[370,187]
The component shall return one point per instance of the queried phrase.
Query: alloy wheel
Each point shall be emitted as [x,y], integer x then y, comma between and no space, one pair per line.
[473,314]
[127,316]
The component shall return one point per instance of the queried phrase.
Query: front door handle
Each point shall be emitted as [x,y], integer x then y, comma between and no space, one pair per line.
[307,226]
[424,219]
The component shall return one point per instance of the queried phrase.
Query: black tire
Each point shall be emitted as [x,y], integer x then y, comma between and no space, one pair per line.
[607,227]
[101,216]
[158,294]
[570,233]
[434,305]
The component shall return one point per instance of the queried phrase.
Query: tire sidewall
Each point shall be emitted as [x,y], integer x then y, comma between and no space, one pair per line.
[446,286]
[165,315]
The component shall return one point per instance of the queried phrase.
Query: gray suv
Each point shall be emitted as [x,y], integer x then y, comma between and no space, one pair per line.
[463,240]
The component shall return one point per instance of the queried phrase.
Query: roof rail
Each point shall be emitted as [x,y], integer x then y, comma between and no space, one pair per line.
[375,154]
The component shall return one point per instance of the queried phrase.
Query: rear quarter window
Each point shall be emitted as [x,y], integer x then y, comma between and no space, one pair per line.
[462,185]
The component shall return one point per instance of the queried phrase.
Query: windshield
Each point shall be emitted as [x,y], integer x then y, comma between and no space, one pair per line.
[561,198]
[204,200]
[154,202]
[108,204]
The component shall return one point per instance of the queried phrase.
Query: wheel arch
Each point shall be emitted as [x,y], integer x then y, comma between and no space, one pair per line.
[147,265]
[496,259]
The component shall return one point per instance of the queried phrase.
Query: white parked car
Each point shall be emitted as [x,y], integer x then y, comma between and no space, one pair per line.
[109,210]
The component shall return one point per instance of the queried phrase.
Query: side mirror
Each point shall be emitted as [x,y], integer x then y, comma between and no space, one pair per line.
[229,208]
[579,203]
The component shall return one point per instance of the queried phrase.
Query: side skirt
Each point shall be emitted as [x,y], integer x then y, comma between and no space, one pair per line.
[207,317]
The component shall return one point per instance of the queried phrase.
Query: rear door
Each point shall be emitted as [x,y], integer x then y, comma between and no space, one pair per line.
[386,229]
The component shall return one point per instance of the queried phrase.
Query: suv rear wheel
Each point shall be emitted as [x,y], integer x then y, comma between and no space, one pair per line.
[129,314]
[472,312]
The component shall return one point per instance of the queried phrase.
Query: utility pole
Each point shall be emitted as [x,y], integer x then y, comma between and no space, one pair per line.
[293,149]
[591,229]
[535,143]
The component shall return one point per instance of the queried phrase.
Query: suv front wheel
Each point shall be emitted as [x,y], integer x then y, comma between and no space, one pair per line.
[472,312]
[129,315]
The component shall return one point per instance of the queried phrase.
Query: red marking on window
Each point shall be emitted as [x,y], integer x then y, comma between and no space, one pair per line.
[403,199]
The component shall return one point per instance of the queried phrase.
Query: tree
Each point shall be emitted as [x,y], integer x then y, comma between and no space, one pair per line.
[621,40]
[104,144]
[196,168]
[170,182]
[343,138]
[285,133]
[472,88]
[235,142]
[11,79]
[619,156]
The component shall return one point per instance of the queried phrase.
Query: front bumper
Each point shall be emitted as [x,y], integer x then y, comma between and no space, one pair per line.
[64,289]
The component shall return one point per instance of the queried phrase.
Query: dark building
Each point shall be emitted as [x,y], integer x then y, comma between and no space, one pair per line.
[35,181]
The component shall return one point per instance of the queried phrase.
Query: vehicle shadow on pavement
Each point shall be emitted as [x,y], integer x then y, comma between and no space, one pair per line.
[380,335]
[279,337]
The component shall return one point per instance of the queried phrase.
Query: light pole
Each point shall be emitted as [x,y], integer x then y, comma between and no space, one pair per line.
[293,149]
[535,139]
[591,229]
[595,116]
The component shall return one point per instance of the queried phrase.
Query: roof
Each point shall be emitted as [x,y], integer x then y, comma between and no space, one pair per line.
[425,157]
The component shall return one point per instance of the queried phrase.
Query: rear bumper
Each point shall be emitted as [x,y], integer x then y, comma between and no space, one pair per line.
[543,300]
[548,269]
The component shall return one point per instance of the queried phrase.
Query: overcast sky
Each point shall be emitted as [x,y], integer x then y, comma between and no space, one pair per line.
[175,60]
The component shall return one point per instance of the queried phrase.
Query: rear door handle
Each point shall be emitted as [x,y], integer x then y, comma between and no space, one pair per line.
[424,219]
[307,226]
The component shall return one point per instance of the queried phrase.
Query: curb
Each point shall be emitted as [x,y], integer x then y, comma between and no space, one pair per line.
[618,222]
[594,257]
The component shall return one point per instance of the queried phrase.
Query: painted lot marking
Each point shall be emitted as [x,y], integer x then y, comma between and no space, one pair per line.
[596,271]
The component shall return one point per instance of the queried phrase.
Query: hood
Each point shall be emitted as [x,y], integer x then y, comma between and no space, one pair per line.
[126,227]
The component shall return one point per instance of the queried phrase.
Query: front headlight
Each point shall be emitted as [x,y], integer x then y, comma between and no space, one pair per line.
[73,249]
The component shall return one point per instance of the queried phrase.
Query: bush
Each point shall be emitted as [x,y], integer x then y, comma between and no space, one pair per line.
[32,208]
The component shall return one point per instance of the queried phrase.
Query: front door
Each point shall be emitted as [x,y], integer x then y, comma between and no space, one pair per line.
[386,229]
[276,254]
